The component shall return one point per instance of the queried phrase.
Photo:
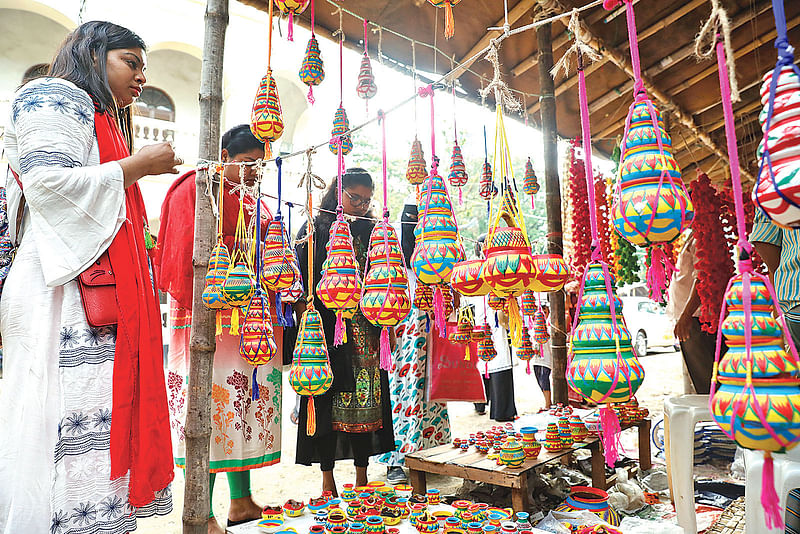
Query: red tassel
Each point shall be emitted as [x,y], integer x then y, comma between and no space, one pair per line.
[769,498]
[338,333]
[528,370]
[291,26]
[438,312]
[449,23]
[609,427]
[310,95]
[386,351]
[311,417]
[659,273]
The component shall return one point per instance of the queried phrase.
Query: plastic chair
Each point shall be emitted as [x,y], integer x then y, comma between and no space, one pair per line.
[787,477]
[681,414]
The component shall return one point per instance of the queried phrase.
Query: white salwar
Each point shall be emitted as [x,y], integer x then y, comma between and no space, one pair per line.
[56,392]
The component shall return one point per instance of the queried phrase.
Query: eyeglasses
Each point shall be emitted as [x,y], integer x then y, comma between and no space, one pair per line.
[358,201]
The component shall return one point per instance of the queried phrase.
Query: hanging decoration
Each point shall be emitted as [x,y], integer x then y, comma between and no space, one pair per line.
[652,205]
[486,187]
[385,301]
[578,210]
[449,21]
[417,168]
[530,184]
[540,333]
[423,297]
[218,264]
[458,171]
[465,278]
[312,71]
[239,285]
[366,87]
[485,349]
[266,118]
[550,273]
[340,140]
[526,352]
[463,333]
[604,230]
[292,8]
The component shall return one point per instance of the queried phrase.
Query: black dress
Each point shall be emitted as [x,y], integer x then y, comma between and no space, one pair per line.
[354,372]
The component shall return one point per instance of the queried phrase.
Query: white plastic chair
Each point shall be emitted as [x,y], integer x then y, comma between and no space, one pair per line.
[681,414]
[787,477]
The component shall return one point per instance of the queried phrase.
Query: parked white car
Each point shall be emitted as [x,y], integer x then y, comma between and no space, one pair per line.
[648,324]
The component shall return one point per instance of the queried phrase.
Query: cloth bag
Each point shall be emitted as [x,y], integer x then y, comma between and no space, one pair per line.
[450,376]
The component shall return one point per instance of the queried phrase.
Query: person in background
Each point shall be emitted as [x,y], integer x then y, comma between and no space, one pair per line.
[245,433]
[543,363]
[84,425]
[354,417]
[418,424]
[499,386]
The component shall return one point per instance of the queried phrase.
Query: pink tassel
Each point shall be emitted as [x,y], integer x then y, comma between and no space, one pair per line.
[438,312]
[533,204]
[386,351]
[659,273]
[486,371]
[460,196]
[611,4]
[310,95]
[609,426]
[338,333]
[769,498]
[291,26]
[528,370]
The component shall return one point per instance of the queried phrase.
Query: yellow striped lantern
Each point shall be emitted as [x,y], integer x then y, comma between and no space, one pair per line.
[530,185]
[292,8]
[266,118]
[423,297]
[486,350]
[310,373]
[551,272]
[465,278]
[463,333]
[312,71]
[341,124]
[495,302]
[339,288]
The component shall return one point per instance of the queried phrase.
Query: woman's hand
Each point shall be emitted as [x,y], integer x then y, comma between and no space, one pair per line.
[153,159]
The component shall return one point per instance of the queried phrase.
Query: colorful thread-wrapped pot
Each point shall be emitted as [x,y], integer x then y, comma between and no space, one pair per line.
[512,453]
[312,71]
[310,373]
[551,272]
[496,302]
[292,8]
[341,124]
[280,270]
[256,341]
[366,87]
[238,286]
[552,438]
[645,212]
[578,429]
[458,171]
[481,331]
[778,192]
[486,187]
[438,246]
[565,433]
[526,352]
[218,266]
[417,169]
[465,278]
[339,288]
[529,183]
[384,299]
[775,390]
[266,118]
[540,333]
[528,304]
[423,297]
[449,20]
[594,370]
[594,500]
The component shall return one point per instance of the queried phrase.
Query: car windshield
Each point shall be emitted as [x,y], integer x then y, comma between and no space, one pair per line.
[651,307]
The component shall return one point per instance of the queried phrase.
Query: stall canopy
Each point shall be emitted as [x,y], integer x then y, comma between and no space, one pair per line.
[685,88]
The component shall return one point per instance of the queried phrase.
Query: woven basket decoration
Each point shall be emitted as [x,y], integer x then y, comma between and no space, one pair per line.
[529,183]
[526,352]
[594,370]
[366,87]
[463,333]
[778,193]
[340,125]
[447,298]
[508,269]
[438,246]
[481,331]
[551,272]
[280,270]
[540,333]
[417,169]
[528,304]
[292,8]
[495,302]
[486,187]
[775,390]
[266,119]
[294,293]
[423,297]
[486,350]
[312,71]
[644,211]
[593,500]
[218,266]
[256,341]
[449,20]
[310,373]
[385,300]
[458,171]
[339,288]
[239,285]
[465,278]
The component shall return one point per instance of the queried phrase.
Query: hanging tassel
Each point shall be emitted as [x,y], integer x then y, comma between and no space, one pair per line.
[514,322]
[769,497]
[256,395]
[279,309]
[496,320]
[311,417]
[460,196]
[449,23]
[466,353]
[310,95]
[218,329]
[267,150]
[609,427]
[659,273]
[533,204]
[288,317]
[234,322]
[290,33]
[486,371]
[427,323]
[338,333]
[386,351]
[528,369]
[438,312]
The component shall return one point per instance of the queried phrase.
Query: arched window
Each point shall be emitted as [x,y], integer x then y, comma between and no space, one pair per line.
[155,104]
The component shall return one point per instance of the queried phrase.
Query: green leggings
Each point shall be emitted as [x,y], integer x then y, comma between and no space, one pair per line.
[238,483]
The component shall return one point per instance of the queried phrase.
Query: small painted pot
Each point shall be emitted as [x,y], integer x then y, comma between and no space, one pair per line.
[335,518]
[272,512]
[391,517]
[442,516]
[271,525]
[375,484]
[513,454]
[334,503]
[460,506]
[523,521]
[353,508]
[402,505]
[293,508]
[456,442]
[427,525]
[482,446]
[315,505]
[316,529]
[348,493]
[466,519]
[321,517]
[418,499]
[451,523]
[474,527]
[364,495]
[479,511]
[490,529]
[403,490]
[417,511]
[356,528]
[338,529]
[495,518]
[395,530]
[508,527]
[464,446]
[528,433]
[374,525]
[434,497]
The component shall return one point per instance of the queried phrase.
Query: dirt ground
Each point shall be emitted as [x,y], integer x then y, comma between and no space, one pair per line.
[275,484]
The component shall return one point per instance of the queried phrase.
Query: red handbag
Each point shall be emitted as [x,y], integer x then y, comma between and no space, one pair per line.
[450,376]
[99,293]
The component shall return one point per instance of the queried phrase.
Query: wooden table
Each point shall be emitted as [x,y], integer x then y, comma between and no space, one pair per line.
[473,465]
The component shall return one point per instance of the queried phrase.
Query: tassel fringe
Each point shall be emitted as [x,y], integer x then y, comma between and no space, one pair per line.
[338,333]
[449,23]
[386,351]
[256,394]
[610,429]
[659,273]
[514,322]
[486,371]
[234,322]
[310,95]
[769,498]
[466,353]
[528,369]
[311,417]
[438,312]
[218,328]
[290,32]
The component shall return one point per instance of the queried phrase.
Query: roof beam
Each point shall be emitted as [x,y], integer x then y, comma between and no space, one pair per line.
[570,82]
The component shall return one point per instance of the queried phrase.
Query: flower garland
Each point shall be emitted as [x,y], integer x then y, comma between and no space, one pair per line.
[603,221]
[728,221]
[713,268]
[578,212]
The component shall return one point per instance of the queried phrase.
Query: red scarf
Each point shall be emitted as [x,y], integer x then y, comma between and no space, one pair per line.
[140,436]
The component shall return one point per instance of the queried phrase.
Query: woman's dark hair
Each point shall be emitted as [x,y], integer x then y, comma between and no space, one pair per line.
[239,140]
[81,59]
[352,177]
[479,245]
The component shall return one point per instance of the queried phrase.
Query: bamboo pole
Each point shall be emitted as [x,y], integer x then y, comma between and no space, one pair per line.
[558,338]
[196,501]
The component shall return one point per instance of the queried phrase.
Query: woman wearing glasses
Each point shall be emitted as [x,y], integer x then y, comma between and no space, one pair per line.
[348,425]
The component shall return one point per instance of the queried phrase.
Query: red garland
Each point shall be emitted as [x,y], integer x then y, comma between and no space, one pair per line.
[579,217]
[603,226]
[728,219]
[713,267]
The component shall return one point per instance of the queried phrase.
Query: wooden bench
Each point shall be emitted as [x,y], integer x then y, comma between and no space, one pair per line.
[473,465]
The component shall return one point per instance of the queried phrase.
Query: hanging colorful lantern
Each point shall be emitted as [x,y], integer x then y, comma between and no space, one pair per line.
[465,278]
[449,20]
[540,333]
[292,8]
[526,352]
[496,302]
[447,299]
[528,304]
[239,286]
[340,125]
[550,273]
[312,71]
[778,189]
[486,188]
[310,373]
[366,87]
[257,343]
[463,333]
[529,183]
[423,297]
[266,119]
[280,270]
[218,266]
[486,350]
[417,169]
[458,171]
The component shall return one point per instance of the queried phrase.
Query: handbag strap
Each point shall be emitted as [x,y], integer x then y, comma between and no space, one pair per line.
[20,209]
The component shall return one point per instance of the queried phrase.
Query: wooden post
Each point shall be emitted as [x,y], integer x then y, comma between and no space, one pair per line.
[547,101]
[196,501]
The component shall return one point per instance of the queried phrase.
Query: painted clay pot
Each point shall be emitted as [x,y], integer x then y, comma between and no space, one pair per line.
[512,452]
[335,518]
[348,493]
[339,288]
[256,341]
[465,278]
[593,500]
[417,169]
[427,525]
[578,429]
[279,269]
[310,373]
[384,299]
[552,440]
[293,508]
[374,525]
[433,496]
[508,268]
[550,272]
[530,185]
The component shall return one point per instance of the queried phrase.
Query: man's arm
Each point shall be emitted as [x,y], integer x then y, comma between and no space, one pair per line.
[683,324]
[771,254]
